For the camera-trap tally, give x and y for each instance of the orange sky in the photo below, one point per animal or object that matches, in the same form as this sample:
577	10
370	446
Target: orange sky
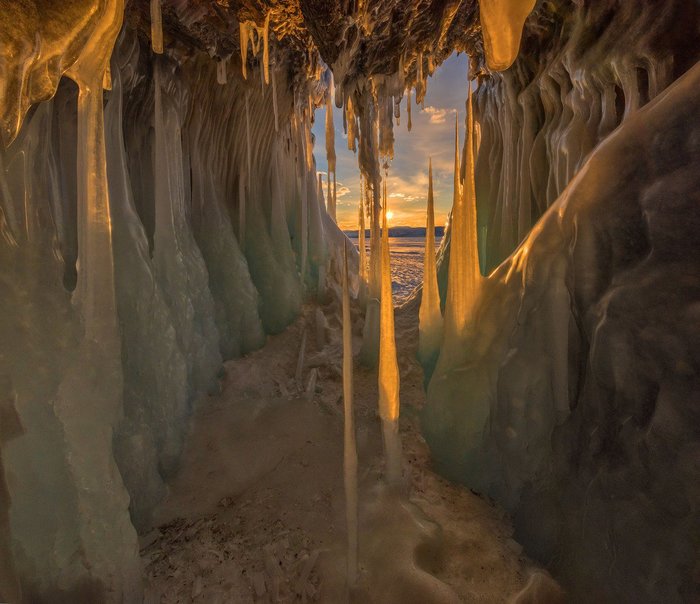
432	135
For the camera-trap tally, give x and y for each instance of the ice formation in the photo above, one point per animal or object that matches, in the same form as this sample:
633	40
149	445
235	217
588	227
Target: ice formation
139	251
388	374
349	439
430	316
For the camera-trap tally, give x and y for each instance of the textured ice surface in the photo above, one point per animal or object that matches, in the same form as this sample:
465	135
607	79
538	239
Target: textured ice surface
575	398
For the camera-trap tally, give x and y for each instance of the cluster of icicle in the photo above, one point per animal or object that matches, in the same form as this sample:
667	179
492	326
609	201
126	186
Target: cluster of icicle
192	243
540	122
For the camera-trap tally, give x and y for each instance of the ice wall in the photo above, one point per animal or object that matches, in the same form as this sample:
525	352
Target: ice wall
575	402
583	70
123	286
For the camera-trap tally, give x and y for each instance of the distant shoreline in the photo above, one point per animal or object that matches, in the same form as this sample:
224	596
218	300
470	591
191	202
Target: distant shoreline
401	231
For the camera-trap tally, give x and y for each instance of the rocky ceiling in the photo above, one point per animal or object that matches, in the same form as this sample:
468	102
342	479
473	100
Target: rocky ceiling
376	34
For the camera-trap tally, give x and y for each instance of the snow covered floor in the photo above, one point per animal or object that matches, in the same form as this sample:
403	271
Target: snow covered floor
256	513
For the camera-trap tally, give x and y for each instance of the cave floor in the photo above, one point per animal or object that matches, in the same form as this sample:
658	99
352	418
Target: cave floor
256	512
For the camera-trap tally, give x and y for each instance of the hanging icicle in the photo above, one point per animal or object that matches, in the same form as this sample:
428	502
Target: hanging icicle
388	375
349	439
156	27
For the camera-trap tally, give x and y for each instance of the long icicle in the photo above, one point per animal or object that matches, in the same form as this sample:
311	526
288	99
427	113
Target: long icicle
361	235
156	27
388	376
330	155
349	440
266	47
430	317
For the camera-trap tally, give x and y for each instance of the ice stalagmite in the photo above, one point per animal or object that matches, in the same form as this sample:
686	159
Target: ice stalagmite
388	377
502	27
430	317
349	444
156	27
463	275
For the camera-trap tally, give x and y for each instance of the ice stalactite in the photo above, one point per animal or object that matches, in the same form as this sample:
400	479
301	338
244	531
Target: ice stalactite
180	267
361	234
148	441
502	24
330	155
369	166
388	375
430	315
252	34
156	27
349	438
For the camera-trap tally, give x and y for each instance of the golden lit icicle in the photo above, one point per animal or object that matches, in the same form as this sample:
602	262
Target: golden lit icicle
330	155
473	277
244	32
502	24
156	27
361	235
349	439
408	109
266	48
430	317
388	376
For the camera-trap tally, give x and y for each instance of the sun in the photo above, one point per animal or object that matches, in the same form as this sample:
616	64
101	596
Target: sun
389	214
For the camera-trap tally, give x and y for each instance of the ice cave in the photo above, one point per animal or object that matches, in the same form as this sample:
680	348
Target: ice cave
213	388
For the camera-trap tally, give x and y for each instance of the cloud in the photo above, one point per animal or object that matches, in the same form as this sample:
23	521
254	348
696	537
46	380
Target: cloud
437	114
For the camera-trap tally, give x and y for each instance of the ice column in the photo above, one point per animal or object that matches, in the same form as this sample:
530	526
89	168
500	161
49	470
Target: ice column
156	27
349	444
430	317
388	376
502	24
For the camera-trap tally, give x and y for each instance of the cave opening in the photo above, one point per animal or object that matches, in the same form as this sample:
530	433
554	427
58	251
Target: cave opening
370	302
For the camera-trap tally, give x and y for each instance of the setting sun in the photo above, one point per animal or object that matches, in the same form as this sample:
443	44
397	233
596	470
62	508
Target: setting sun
389	214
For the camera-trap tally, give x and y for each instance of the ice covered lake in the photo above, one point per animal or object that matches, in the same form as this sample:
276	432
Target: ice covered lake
406	263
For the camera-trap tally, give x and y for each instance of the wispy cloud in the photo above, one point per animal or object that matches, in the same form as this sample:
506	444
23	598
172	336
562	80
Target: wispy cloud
438	115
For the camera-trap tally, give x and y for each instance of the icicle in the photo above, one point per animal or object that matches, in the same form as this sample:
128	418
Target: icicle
221	77
388	376
266	48
330	154
274	101
352	125
408	109
502	24
420	84
430	317
242	177
349	441
320	192
361	235
244	31
247	138
156	27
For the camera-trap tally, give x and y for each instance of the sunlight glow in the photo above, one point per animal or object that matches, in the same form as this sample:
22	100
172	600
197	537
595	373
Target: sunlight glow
389	214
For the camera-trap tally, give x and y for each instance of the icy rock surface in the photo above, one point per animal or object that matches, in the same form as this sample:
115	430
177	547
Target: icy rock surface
575	400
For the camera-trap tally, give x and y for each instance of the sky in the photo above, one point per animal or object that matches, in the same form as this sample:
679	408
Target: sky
432	134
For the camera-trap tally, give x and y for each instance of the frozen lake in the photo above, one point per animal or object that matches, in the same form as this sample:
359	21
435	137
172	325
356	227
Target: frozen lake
406	264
